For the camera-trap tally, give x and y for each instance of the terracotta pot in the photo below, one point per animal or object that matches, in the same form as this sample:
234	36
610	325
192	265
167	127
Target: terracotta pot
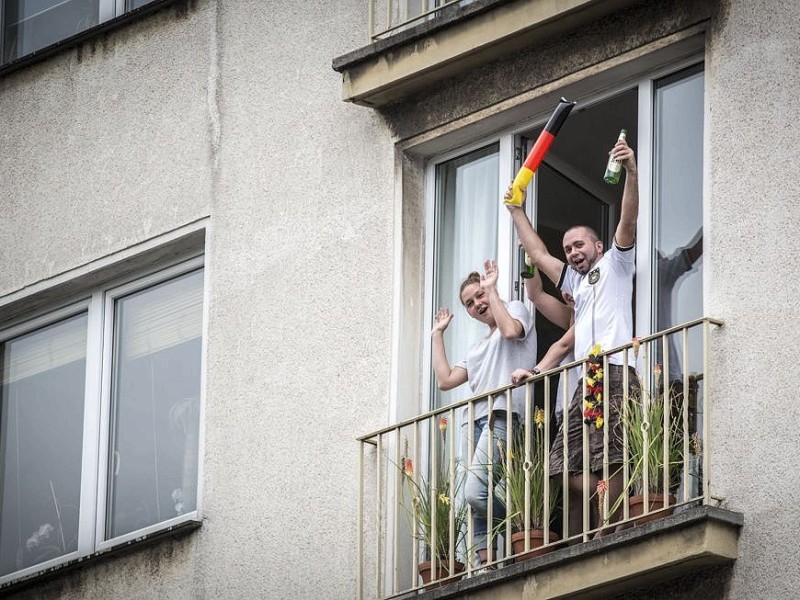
636	508
536	537
442	572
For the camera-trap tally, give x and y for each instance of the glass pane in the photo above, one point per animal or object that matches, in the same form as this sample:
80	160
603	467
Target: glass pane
41	437
132	4
29	25
466	235
155	405
678	214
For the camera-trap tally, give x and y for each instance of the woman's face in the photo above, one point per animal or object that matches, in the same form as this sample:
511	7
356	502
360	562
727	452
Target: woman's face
477	304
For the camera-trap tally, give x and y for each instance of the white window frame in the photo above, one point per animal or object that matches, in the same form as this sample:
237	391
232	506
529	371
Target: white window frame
507	139
106	10
99	307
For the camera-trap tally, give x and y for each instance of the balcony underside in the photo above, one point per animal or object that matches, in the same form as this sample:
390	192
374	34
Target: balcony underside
456	42
675	546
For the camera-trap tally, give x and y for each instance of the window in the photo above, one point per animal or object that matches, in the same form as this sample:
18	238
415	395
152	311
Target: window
663	114
30	25
466	236
140	345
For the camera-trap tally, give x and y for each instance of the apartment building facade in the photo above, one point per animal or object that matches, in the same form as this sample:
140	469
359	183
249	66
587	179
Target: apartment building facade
221	258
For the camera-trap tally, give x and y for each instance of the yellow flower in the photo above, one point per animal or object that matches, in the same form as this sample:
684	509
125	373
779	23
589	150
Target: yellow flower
538	417
590	381
444	499
595	350
599	422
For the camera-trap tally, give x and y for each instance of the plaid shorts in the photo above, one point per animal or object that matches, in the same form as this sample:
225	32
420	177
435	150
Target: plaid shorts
575	427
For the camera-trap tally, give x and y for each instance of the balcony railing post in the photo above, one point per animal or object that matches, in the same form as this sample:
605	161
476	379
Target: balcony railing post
585	441
706	418
470	456
378	516
685	406
666	404
361	449
371	20
626	380
603	510
546	460
395	512
646	396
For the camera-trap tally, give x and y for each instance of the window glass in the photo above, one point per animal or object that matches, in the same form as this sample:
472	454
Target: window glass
155	405
41	438
678	210
29	25
132	4
466	235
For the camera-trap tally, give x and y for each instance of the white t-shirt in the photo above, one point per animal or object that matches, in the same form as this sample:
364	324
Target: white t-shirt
603	297
491	361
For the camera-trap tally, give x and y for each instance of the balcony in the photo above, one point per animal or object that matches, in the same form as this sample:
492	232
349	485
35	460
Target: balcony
616	533
415	44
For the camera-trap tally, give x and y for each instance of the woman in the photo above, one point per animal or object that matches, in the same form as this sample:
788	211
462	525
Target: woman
509	345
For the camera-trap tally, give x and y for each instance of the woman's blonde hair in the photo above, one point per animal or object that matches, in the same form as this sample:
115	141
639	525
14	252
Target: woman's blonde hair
473	277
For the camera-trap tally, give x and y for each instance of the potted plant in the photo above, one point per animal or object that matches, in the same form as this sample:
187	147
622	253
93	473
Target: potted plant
522	488
645	431
435	507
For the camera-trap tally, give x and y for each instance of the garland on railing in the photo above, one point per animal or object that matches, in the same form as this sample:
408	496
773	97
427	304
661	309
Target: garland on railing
593	388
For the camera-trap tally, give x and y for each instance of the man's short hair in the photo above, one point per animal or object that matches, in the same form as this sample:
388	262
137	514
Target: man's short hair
590	230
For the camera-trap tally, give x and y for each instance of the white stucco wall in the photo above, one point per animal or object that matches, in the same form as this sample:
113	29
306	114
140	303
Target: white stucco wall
228	110
231	111
752	218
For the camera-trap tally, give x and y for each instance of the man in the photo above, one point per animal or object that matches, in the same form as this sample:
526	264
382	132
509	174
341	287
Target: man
601	285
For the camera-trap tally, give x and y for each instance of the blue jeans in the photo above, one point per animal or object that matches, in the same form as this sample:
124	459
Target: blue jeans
476	488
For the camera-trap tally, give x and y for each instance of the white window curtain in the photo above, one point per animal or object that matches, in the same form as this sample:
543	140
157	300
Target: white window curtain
467	210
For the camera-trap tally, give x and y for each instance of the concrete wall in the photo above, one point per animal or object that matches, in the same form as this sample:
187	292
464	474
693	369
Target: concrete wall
228	110
751	214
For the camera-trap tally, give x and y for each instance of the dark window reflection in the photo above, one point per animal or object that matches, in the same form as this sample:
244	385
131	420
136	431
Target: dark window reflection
41	439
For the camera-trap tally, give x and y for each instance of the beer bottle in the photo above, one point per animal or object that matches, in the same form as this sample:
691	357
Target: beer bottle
614	168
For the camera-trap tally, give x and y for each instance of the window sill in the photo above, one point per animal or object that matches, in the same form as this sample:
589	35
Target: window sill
456	42
691	540
85	35
175	532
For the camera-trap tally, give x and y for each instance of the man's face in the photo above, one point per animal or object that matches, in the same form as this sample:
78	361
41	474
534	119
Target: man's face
476	303
582	249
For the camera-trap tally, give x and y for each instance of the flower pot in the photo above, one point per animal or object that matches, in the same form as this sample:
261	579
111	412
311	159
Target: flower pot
636	508
536	537
442	572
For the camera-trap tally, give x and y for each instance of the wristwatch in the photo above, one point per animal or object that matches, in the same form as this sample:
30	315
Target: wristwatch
535	370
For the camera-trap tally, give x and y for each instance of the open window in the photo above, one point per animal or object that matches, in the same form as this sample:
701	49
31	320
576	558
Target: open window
663	115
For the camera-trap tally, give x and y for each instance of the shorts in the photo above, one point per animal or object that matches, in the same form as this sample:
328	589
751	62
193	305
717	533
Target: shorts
575	426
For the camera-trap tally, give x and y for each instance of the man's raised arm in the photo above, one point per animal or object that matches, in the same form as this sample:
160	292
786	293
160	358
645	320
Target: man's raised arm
625	235
533	244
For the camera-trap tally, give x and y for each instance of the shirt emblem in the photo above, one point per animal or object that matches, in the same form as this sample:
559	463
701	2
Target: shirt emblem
594	276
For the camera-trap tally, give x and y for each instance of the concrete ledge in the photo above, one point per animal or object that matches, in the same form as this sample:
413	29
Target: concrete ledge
457	41
693	539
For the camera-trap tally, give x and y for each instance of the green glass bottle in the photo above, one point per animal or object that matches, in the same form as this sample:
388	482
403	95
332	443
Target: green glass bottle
529	269
614	168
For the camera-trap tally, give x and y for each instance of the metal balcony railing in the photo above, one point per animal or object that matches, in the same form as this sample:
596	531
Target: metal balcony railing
413	514
387	17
